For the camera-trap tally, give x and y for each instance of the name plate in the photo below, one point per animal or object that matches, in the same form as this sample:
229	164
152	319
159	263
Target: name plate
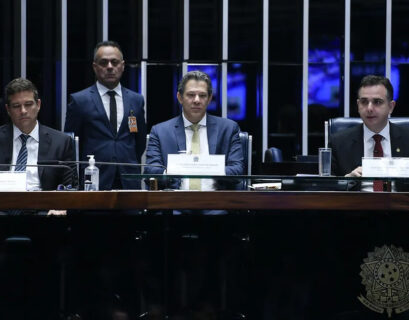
196	164
13	180
385	167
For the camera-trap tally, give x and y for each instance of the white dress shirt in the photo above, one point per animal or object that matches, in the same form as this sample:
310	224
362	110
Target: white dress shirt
103	92
32	144
206	184
369	145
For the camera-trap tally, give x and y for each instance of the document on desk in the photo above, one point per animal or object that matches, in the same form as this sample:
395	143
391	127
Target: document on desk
385	167
13	180
196	164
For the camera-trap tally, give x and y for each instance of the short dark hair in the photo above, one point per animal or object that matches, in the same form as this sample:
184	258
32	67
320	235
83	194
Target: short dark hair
198	76
372	80
19	85
107	43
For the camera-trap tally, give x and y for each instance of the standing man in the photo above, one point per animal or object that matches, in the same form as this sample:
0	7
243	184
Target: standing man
25	141
375	136
216	135
109	119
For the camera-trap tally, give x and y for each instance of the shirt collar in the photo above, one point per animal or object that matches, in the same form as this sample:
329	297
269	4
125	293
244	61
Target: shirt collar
187	123
33	134
368	134
103	90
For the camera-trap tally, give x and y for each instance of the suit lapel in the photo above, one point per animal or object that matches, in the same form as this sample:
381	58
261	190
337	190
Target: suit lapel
212	134
180	133
6	142
356	145
99	106
43	148
127	107
397	141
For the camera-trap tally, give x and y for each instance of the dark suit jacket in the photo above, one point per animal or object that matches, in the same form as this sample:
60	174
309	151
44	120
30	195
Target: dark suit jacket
348	147
86	117
169	137
53	145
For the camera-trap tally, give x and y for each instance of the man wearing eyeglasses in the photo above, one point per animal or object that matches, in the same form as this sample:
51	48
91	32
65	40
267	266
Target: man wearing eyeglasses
109	119
376	136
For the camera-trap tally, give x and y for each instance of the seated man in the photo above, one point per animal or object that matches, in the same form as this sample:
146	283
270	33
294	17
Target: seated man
376	137
195	131
25	141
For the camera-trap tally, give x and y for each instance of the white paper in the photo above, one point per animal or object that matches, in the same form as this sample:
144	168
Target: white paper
196	164
13	181
385	167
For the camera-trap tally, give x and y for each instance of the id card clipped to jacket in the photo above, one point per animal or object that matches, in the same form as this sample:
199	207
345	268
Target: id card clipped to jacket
133	126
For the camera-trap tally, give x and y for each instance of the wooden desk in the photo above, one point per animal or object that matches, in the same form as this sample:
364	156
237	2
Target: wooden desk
257	200
293	255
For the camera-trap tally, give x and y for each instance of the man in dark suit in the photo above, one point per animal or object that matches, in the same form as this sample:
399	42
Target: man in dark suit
375	105
109	119
217	135
42	142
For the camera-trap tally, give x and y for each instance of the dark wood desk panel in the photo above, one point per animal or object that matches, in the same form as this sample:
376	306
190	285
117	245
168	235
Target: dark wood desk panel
278	200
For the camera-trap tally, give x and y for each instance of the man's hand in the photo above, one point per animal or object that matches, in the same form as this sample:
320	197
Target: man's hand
355	173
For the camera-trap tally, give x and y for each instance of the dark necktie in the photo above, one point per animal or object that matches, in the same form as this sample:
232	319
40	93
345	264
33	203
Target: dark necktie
112	110
22	155
377	153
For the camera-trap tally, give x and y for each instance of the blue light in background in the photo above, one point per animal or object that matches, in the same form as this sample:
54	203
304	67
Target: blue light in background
324	74
236	89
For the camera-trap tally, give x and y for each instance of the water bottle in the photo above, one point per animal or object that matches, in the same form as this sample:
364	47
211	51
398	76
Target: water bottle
91	176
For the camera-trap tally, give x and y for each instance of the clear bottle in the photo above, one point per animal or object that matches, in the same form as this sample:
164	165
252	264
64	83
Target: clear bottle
91	176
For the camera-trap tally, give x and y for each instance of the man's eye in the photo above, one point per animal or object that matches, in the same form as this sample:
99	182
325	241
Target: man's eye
378	102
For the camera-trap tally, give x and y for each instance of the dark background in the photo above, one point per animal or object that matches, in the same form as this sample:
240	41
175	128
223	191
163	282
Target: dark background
245	18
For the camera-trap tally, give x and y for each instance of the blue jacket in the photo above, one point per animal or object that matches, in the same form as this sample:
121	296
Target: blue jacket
169	137
86	117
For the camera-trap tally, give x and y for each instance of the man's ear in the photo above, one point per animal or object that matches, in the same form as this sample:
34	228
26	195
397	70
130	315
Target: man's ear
179	96
392	105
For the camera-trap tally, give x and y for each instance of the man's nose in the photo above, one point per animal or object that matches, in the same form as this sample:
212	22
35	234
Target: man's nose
197	99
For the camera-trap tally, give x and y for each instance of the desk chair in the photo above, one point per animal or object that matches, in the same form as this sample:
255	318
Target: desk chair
273	155
247	147
339	124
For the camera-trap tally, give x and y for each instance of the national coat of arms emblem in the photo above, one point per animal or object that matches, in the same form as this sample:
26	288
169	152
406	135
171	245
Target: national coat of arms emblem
385	274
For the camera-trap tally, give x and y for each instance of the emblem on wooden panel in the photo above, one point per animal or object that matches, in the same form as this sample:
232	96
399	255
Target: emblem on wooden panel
385	275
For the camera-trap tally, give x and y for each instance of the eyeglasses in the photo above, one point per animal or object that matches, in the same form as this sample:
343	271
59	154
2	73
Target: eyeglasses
105	62
375	101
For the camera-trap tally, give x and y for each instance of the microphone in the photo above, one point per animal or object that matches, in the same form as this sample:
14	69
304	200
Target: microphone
44	165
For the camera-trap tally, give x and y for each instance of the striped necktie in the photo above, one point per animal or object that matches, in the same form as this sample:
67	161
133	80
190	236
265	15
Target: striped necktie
22	155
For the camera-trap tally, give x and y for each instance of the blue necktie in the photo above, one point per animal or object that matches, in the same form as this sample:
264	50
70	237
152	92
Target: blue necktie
21	165
22	155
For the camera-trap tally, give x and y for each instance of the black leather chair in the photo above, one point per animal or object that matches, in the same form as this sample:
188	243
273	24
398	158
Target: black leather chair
247	147
339	124
273	154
